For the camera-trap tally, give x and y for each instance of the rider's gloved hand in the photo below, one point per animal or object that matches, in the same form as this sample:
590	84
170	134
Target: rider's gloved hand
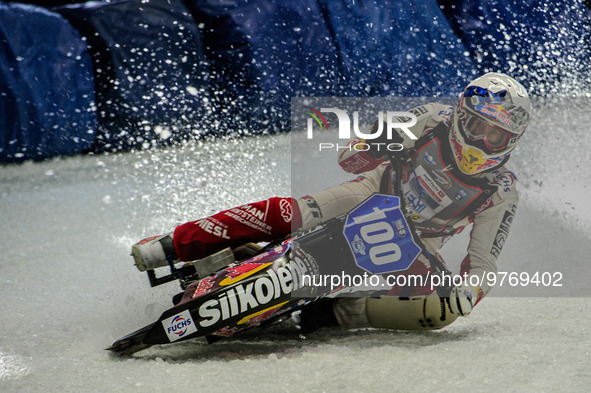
362	155
462	299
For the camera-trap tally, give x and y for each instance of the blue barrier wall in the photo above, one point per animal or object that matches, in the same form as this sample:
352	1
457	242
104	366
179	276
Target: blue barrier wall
152	77
172	70
546	45
262	54
391	47
46	86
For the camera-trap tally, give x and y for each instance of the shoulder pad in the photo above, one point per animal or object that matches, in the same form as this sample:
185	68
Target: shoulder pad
419	110
428	117
442	113
505	181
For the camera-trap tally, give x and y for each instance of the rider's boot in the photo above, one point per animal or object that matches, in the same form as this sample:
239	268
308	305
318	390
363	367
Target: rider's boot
154	252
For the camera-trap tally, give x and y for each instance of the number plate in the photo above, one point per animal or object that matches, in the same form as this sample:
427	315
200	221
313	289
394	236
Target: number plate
379	236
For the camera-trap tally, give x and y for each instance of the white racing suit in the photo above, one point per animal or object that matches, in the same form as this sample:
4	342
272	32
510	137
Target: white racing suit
444	201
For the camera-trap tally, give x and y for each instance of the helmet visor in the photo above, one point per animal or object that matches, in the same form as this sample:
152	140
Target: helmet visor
493	137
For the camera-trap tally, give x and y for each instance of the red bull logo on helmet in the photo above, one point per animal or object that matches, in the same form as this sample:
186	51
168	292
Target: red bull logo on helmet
497	112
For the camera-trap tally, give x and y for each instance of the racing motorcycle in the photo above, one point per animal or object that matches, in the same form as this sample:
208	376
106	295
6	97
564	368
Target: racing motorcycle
235	290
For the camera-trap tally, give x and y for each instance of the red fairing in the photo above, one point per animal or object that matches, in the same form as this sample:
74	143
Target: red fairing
259	221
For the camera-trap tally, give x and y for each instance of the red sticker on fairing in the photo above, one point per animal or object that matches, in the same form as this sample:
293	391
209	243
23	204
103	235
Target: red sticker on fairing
204	286
240	272
227	331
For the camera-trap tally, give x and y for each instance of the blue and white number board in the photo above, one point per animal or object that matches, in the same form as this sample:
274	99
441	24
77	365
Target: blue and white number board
379	236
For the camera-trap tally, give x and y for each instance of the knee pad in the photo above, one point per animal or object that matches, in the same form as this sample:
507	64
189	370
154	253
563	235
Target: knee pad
404	313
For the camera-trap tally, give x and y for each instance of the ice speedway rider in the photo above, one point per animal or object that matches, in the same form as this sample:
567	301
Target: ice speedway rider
456	177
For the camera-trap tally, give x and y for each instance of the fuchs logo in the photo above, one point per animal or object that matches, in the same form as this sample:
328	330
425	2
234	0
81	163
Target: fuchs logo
504	179
179	326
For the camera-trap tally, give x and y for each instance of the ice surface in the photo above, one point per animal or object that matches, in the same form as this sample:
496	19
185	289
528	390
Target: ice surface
68	287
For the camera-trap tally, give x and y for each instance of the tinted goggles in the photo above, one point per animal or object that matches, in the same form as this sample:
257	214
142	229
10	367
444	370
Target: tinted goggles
493	137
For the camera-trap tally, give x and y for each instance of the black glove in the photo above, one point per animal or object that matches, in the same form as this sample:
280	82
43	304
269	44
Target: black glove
317	315
461	299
